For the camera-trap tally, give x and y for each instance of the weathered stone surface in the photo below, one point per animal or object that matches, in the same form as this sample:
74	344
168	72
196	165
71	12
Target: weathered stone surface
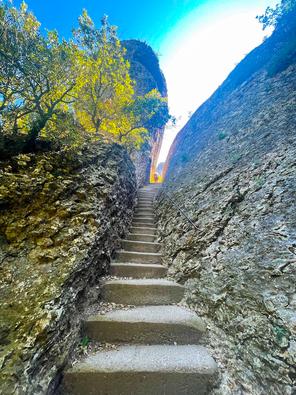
153	292
138	257
134	369
232	171
145	70
138	270
61	218
140	246
143	230
147	325
144	370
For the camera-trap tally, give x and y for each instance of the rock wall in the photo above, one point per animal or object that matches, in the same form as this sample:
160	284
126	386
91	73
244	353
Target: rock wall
145	70
142	162
60	220
232	171
144	67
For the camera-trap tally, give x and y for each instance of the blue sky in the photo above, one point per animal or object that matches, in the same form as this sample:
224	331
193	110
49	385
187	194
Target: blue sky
199	42
147	20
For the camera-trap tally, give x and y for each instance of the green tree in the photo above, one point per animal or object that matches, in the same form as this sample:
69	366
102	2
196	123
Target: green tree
104	85
283	18
69	91
35	75
107	106
146	114
273	16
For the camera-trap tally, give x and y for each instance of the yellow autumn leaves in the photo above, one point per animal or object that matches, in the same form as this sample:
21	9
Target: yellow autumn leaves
68	92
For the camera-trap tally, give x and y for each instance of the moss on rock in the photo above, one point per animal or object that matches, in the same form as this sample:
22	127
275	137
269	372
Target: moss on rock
61	216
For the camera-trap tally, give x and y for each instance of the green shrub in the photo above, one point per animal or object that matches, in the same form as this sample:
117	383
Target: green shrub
222	135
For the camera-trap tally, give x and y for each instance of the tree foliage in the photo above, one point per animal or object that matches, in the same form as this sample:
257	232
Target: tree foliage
35	75
283	18
273	16
104	86
70	91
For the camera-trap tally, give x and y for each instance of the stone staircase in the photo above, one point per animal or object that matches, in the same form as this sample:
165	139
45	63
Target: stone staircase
157	341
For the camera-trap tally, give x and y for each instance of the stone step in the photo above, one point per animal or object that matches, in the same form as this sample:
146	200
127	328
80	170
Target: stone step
140	237
146	325
142	292
145	214
144	211
146	198
143	230
137	270
145	207
138	257
145	202
149	214
144	218
139	246
139	224
143	370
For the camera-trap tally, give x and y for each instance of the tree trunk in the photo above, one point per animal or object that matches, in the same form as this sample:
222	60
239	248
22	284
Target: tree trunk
30	145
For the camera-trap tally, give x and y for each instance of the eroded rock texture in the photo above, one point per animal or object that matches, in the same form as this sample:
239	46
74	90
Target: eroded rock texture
232	171
61	217
145	70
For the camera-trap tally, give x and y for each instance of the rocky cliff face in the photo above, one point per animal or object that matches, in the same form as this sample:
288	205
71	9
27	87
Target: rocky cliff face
145	70
61	217
144	67
232	171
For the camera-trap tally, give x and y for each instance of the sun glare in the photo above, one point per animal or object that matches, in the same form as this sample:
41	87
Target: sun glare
202	50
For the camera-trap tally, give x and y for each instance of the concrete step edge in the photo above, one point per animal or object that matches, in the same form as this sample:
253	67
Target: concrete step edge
144	282
139	265
144	218
137	253
182	360
141	234
137	270
143	227
148	243
153	314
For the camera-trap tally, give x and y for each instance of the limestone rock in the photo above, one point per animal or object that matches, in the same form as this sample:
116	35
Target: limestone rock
145	70
232	172
61	216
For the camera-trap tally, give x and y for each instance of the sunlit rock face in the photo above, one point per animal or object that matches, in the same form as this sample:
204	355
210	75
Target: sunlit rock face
232	171
145	70
61	218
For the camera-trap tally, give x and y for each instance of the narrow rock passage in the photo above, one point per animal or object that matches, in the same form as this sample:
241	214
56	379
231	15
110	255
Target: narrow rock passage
158	351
